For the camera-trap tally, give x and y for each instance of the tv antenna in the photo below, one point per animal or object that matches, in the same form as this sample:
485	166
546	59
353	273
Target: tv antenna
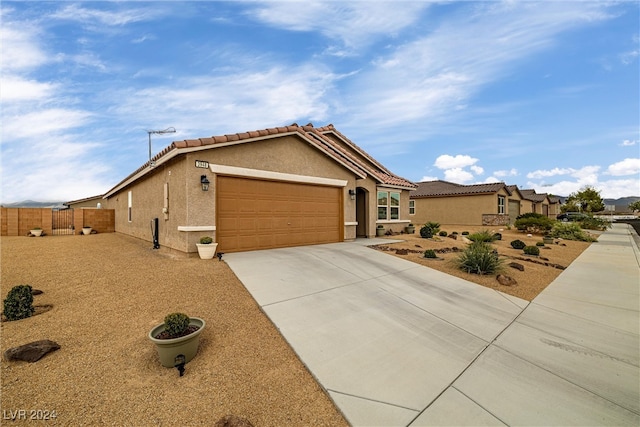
158	132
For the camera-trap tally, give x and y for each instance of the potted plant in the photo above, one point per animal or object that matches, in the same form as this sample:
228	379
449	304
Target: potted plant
36	231
179	335
206	247
411	229
86	230
547	239
380	230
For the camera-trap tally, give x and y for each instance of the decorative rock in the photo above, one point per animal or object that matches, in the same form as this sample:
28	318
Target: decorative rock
453	236
31	352
516	266
36	292
233	421
402	251
506	280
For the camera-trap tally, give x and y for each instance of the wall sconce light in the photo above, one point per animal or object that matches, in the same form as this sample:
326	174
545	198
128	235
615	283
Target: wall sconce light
352	194
205	183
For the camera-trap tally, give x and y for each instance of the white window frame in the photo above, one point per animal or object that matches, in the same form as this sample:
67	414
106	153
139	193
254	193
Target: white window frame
412	207
384	206
501	206
391	211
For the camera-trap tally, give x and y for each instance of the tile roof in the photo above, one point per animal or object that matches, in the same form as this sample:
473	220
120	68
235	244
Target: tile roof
445	188
531	194
363	165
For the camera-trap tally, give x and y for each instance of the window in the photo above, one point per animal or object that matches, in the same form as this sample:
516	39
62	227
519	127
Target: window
129	198
395	205
388	205
501	204
412	207
383	201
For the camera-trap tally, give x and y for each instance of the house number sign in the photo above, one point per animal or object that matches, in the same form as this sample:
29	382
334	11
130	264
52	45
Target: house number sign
202	164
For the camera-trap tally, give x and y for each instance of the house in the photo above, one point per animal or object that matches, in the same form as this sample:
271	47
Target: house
541	203
88	202
270	188
457	204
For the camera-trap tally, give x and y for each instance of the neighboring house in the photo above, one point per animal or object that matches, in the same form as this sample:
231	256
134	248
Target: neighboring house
88	202
277	187
541	203
458	204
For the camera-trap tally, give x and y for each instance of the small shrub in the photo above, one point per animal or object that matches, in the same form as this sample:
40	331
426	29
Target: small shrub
539	243
19	303
570	231
426	232
443	233
455	232
518	244
176	323
534	223
465	233
531	250
479	258
430	253
497	236
206	240
434	226
481	236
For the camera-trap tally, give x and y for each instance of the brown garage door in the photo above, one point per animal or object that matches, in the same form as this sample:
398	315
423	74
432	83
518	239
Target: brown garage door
257	214
514	210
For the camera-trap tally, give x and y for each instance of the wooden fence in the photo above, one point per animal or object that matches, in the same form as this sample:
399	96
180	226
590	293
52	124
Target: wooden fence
19	221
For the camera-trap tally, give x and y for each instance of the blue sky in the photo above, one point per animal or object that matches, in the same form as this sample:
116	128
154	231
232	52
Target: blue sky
543	95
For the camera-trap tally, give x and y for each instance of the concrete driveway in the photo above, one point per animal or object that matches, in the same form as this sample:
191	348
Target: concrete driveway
397	344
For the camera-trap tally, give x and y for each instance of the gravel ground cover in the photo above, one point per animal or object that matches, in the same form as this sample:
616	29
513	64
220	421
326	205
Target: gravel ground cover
530	282
107	291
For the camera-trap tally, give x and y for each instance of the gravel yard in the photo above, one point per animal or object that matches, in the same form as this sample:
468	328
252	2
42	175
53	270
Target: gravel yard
107	292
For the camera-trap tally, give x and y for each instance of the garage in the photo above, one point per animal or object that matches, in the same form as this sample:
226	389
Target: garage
514	210
261	214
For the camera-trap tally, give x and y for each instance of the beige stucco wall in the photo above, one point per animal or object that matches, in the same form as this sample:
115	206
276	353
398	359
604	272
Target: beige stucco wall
462	210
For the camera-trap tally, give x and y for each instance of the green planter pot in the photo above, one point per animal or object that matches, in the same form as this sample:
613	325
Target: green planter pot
411	229
169	349
380	232
547	240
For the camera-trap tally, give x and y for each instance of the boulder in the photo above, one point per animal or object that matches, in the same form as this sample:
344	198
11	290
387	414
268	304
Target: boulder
506	280
36	292
516	265
31	352
233	421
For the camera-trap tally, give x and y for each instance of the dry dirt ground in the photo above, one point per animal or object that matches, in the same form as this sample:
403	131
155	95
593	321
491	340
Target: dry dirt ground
530	282
107	292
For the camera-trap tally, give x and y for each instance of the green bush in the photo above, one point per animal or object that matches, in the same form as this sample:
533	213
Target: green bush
531	250
481	236
426	232
539	243
570	231
479	258
534	223
430	253
206	240
434	226
465	233
19	303
593	223
455	232
518	244
176	323
497	236
443	233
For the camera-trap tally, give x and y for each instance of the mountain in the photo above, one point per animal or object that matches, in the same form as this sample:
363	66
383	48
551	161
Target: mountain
622	201
33	204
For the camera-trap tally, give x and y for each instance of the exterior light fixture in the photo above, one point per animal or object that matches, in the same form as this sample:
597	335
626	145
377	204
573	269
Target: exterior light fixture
205	183
352	194
157	132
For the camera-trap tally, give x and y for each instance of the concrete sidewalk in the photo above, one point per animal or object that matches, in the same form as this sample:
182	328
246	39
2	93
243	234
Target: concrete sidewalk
395	343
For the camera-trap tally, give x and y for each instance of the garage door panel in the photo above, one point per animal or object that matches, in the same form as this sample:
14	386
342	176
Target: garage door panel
254	214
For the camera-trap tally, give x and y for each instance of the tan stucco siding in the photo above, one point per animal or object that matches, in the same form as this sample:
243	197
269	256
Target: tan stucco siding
463	210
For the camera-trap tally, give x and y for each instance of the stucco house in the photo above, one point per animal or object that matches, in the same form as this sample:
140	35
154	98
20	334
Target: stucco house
541	203
270	188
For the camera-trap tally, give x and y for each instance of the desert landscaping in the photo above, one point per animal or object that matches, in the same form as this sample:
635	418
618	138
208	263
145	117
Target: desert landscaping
538	271
102	293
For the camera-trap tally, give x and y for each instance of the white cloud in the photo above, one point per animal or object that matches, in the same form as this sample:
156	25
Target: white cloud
547	173
102	18
354	23
20	51
505	173
458	175
429	178
15	88
629	143
625	167
44	123
477	170
446	161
